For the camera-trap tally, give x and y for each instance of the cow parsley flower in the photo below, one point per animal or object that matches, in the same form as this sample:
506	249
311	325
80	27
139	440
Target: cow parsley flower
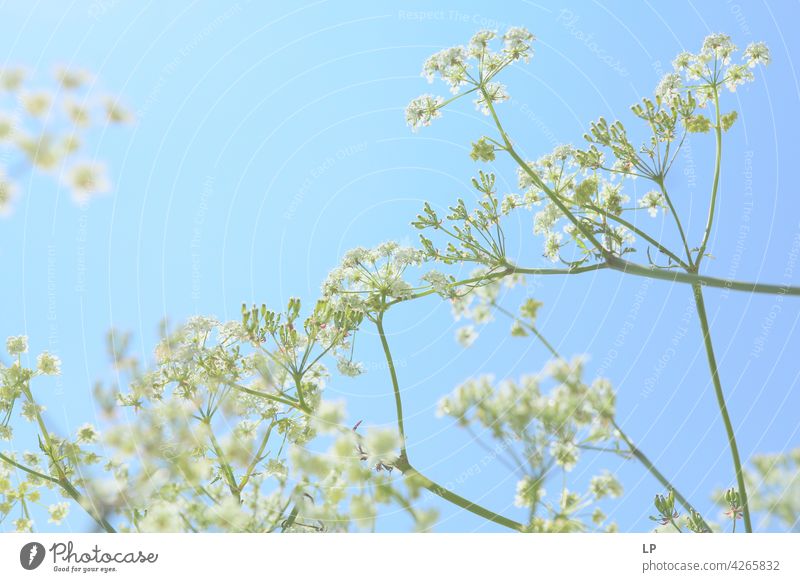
71	78
422	110
58	512
348	367
8	191
12	79
652	201
48	364
517	43
718	46
495	93
17	344
87	434
552	246
37	103
757	53
669	88
87	179
466	335
450	64
565	454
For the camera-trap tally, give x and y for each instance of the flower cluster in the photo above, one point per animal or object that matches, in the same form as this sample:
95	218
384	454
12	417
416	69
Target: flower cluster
45	127
550	428
367	278
468	69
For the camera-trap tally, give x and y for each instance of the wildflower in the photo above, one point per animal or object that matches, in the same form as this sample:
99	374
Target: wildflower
605	485
382	445
517	43
466	335
115	112
494	93
718	46
38	103
11	79
450	64
737	75
87	434
669	88
58	512
78	114
552	246
72	79
652	200
348	367
16	345
565	454
48	364
23	524
8	192
757	53
7	127
422	110
86	179
479	43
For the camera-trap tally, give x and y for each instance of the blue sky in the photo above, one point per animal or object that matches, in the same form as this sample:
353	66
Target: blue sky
270	139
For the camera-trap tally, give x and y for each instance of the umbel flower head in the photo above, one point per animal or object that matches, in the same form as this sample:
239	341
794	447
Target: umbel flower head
470	69
367	277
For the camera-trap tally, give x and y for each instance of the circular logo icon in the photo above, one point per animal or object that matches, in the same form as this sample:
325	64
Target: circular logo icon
31	555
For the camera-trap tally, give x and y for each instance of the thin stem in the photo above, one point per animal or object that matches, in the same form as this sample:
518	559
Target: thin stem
538	181
405	467
642	458
28	470
723	408
663	188
715	186
398	402
695	279
529	327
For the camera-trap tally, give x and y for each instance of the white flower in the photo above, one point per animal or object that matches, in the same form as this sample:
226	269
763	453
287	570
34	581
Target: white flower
565	454
86	179
348	367
495	93
517	42
652	200
382	445
552	246
11	79
87	434
72	78
757	53
466	335
37	103
422	110
16	345
58	512
450	64
669	88
8	191
48	364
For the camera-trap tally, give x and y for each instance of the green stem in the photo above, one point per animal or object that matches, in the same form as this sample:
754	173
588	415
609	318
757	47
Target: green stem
715	186
538	181
28	470
723	408
644	460
529	327
405	467
695	279
663	188
398	402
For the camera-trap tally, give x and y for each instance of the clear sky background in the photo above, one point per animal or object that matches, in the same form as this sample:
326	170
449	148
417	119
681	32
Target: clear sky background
270	138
